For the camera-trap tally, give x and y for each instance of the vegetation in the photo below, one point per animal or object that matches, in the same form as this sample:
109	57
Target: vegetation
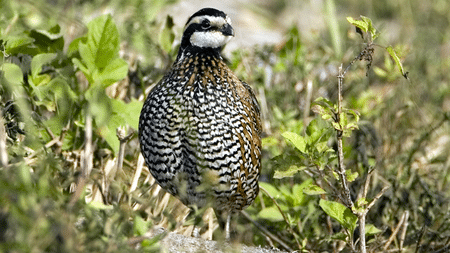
356	129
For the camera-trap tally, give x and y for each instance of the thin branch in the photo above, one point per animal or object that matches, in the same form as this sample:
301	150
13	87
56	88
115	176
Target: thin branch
365	54
284	216
341	166
404	228
86	161
267	232
137	173
370	205
362	232
123	139
397	229
3	152
419	241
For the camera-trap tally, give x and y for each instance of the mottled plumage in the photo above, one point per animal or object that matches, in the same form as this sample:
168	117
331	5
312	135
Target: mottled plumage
200	129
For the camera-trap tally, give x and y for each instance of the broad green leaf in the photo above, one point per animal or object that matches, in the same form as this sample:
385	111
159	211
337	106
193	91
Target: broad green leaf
15	42
365	24
82	67
113	72
140	226
129	112
108	131
290	172
271	213
297	140
313	189
38	61
103	40
48	41
12	73
372	230
298	192
340	213
88	58
270	189
397	61
358	23
370	28
74	45
318	130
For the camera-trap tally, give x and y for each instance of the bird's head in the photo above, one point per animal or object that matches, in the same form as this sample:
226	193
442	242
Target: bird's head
207	28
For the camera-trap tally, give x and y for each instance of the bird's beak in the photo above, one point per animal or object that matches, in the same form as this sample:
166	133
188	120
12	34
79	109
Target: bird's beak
227	30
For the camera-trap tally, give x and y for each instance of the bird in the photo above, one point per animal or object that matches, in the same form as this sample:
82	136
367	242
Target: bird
200	126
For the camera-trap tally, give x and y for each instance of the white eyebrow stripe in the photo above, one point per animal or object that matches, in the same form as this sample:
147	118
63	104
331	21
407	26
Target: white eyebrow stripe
215	21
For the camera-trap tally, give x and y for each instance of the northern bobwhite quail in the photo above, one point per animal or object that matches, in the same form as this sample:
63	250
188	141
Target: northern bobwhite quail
200	128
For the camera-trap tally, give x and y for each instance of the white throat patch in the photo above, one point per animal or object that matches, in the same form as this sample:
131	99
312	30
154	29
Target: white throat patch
213	39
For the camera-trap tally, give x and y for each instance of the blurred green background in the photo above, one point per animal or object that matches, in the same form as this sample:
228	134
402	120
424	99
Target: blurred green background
289	52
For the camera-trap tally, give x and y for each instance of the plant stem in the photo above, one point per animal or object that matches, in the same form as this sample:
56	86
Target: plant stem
284	217
339	135
3	152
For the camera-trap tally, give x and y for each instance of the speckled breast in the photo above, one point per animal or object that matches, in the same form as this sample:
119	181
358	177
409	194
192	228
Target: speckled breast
200	135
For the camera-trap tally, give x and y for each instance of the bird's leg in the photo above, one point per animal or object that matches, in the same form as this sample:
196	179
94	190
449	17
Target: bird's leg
227	227
195	216
196	232
224	223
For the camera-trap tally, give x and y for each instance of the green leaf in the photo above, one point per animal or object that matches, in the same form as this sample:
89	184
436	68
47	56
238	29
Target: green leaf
269	141
167	36
270	189
103	40
397	61
351	176
290	172
48	41
83	68
12	73
113	72
370	28
339	236
313	189
340	213
74	45
108	131
88	58
365	24
358	23
140	226
129	112
100	206
14	43
372	230
298	191
38	61
361	202
297	140
271	213
318	130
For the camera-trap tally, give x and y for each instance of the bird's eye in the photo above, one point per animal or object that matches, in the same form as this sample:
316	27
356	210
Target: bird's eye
206	24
